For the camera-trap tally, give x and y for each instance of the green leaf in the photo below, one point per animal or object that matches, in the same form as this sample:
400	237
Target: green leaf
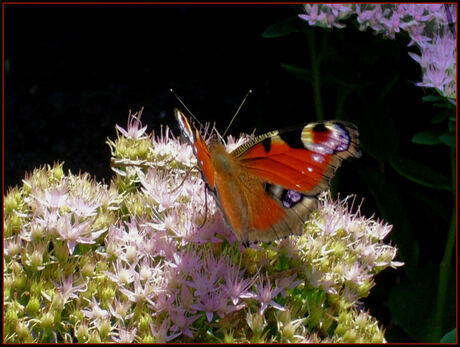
450	337
297	72
419	173
427	137
426	203
447	105
412	304
285	27
432	98
448	139
440	117
389	202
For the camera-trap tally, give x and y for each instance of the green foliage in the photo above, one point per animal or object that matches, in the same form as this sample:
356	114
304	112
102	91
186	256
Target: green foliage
450	337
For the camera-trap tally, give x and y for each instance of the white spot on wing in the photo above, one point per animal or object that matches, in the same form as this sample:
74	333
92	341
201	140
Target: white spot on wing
317	158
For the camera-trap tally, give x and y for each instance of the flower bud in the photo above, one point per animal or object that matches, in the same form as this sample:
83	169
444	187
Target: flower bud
33	306
36	259
228	337
47	321
23	331
104	328
82	333
94	337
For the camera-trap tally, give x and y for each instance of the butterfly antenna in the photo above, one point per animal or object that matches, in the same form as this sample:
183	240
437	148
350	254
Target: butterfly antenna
237	111
190	112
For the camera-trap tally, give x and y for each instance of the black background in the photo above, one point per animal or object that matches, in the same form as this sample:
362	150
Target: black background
74	71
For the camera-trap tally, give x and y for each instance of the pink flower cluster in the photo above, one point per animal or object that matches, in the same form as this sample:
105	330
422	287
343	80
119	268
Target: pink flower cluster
430	26
150	259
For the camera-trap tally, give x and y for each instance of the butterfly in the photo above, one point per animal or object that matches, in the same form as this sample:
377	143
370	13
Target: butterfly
268	186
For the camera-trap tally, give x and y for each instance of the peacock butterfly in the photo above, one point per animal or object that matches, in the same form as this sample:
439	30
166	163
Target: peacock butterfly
269	185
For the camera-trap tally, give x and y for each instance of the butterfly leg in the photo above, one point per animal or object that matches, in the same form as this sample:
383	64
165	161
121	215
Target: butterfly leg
183	180
205	206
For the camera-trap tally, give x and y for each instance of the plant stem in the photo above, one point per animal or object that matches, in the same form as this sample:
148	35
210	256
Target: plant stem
444	266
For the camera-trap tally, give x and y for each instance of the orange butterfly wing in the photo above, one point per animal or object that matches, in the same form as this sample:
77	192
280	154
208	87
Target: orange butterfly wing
295	165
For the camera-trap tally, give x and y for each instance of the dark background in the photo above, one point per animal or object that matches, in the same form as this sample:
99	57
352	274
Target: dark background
74	71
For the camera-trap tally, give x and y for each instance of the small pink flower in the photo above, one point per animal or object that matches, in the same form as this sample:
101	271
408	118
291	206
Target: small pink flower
121	274
236	286
96	313
125	335
68	290
161	334
265	295
119	309
141	292
52	198
73	233
133	128
312	15
212	303
181	321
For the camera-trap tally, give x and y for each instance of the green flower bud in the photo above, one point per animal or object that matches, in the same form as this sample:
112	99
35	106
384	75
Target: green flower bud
23	331
228	337
14	224
36	259
144	323
104	328
11	317
36	233
94	337
20	282
12	201
82	333
61	252
47	321
148	339
57	172
33	306
107	294
350	335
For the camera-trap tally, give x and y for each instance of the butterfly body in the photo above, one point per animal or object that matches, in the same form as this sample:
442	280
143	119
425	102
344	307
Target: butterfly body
268	186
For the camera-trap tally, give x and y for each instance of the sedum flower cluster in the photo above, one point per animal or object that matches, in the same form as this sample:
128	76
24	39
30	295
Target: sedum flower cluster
148	258
430	26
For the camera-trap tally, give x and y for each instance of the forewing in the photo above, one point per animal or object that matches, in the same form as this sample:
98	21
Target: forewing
302	159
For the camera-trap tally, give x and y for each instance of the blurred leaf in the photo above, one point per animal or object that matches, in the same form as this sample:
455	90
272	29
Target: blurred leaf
431	206
448	139
450	337
447	105
378	135
298	72
285	27
427	137
388	86
440	117
432	98
392	209
419	173
412	304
